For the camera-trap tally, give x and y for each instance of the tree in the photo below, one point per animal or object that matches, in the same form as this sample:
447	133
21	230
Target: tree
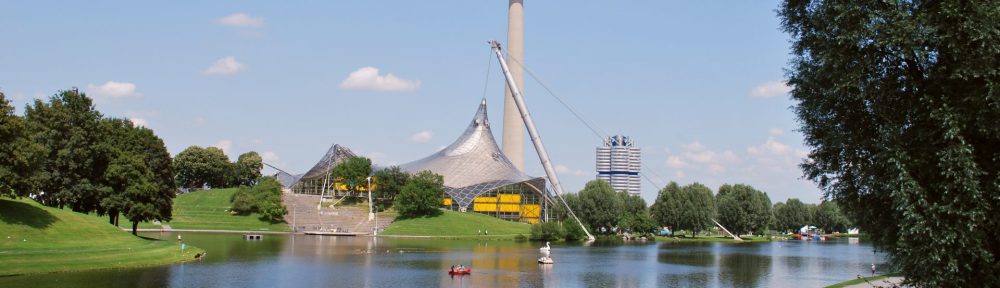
689	208
353	171
829	218
743	209
421	196
791	215
248	167
899	105
264	197
389	182
138	177
70	168
599	206
19	157
197	167
634	216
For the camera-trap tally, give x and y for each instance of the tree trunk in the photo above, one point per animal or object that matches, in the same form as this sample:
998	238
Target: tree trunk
117	216
135	226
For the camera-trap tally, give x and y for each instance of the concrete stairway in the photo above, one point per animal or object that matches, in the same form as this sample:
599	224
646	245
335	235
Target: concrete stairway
304	216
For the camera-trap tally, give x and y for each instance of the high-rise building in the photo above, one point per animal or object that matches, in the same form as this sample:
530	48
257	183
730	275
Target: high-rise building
618	164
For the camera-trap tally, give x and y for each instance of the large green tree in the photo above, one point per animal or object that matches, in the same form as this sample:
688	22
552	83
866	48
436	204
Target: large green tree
71	167
248	167
899	102
791	216
421	196
634	216
829	217
139	174
197	167
599	206
353	172
743	209
389	182
19	157
690	208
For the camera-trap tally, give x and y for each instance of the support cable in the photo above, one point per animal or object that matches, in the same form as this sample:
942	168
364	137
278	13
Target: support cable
600	134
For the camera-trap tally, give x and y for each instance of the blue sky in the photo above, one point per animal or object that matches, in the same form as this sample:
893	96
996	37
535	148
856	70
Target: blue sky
698	85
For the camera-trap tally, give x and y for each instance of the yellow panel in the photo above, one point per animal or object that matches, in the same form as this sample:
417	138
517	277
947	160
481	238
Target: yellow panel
447	201
484	207
510	198
531	210
510	208
485	200
529	220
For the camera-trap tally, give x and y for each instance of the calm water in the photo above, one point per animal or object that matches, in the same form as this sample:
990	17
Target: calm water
312	261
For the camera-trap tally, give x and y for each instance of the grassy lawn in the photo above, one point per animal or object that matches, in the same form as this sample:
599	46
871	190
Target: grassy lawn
209	209
457	225
711	239
39	239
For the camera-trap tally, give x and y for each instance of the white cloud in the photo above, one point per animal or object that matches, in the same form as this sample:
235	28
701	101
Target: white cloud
565	170
225	66
679	174
113	89
139	122
241	20
422	137
224	145
771	147
775	132
269	156
770	89
367	78
561	169
699	157
676	162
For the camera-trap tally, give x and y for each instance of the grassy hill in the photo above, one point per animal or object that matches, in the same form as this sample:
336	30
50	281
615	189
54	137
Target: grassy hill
456	224
39	239
209	209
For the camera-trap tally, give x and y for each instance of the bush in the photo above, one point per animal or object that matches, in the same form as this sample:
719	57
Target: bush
573	231
264	198
421	196
547	231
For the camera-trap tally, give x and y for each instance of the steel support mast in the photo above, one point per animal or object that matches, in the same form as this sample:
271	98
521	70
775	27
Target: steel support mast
533	133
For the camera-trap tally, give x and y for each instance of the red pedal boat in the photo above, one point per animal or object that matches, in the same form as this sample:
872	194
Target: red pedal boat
460	271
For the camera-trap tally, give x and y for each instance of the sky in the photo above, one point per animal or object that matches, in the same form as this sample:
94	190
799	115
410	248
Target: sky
698	84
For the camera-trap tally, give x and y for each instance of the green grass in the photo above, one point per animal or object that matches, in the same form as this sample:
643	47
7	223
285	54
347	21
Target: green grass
209	210
863	280
451	224
711	239
39	239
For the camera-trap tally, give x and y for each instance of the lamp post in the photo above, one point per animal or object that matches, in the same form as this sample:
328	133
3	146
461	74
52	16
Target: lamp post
371	212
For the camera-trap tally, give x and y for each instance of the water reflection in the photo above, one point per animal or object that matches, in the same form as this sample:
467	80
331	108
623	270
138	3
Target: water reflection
311	261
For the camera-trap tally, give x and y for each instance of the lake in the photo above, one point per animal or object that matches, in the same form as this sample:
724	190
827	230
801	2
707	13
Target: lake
320	261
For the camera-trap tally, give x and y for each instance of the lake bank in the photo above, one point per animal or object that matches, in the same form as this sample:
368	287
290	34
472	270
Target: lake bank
39	239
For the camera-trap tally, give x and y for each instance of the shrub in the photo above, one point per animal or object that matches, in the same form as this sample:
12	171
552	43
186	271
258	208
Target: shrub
421	196
264	198
573	231
547	231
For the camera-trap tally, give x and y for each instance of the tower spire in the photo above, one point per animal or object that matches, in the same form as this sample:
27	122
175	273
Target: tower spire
513	126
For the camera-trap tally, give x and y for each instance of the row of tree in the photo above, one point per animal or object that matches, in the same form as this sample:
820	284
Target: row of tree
740	208
793	214
198	167
606	211
64	153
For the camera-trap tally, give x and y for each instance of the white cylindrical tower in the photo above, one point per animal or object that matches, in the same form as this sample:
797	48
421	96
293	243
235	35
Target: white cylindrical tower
513	126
